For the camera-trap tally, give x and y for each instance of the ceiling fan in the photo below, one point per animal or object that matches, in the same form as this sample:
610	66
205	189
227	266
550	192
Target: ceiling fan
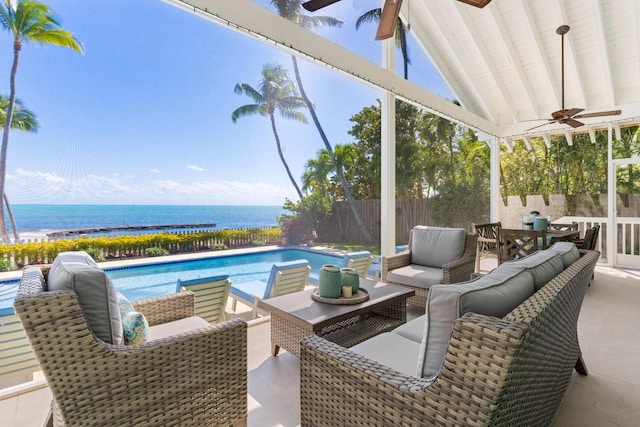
390	11
569	115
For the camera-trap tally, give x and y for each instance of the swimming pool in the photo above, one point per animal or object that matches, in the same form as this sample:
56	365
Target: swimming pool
155	279
138	282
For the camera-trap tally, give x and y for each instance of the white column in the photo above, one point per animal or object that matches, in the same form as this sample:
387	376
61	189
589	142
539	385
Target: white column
388	158
494	179
611	201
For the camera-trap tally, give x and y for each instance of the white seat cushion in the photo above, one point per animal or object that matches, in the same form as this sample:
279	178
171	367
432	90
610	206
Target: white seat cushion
176	327
418	276
413	330
392	350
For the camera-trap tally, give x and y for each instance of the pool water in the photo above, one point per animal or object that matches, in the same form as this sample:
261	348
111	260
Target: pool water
151	280
138	282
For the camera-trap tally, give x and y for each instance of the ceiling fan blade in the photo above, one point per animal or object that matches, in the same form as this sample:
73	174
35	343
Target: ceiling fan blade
549	121
388	19
313	5
573	123
476	3
599	114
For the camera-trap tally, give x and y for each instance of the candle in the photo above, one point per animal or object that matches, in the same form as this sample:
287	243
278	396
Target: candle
347	291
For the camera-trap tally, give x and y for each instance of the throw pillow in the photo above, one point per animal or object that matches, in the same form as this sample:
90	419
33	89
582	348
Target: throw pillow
135	328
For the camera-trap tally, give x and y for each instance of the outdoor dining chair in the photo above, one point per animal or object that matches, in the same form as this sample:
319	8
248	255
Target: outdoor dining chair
285	278
518	243
487	240
211	296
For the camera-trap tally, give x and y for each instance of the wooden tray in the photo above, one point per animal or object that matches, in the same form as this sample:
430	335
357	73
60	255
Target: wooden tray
361	296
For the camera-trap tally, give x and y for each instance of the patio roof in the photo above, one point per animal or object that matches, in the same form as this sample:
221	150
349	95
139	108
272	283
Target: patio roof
502	62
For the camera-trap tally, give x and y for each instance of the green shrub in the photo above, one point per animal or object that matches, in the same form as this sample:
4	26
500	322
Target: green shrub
6	266
155	252
96	254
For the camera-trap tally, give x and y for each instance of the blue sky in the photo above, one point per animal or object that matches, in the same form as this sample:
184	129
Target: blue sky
144	116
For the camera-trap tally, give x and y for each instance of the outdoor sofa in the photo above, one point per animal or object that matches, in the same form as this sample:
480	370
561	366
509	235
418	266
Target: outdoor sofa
109	365
496	351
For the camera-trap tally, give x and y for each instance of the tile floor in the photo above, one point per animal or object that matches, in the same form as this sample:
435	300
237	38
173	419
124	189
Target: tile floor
609	331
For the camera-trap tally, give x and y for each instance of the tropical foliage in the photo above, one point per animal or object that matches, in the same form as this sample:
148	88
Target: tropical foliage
276	92
27	21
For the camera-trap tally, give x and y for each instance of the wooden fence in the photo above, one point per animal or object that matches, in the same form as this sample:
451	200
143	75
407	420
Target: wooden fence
342	226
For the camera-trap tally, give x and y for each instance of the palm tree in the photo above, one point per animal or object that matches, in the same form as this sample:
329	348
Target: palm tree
276	92
24	120
400	34
29	21
292	10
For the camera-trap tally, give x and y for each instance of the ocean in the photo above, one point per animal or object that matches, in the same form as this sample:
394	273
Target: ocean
45	218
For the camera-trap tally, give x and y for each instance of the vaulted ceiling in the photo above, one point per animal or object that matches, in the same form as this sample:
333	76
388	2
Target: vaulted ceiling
502	62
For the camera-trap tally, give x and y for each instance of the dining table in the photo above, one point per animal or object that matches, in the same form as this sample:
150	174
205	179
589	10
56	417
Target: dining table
562	235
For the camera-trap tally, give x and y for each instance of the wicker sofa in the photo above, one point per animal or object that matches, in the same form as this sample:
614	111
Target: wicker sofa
500	371
190	373
434	255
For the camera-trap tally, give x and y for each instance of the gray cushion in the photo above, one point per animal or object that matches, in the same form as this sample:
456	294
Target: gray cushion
436	246
96	294
417	276
392	350
412	330
568	251
543	266
495	294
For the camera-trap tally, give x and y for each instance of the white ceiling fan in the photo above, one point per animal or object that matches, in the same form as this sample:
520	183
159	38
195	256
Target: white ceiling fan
390	11
569	115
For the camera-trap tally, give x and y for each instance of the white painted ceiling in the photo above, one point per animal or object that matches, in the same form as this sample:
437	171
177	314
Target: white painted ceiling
502	62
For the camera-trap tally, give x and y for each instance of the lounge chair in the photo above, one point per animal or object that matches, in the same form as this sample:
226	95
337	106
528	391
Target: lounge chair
285	278
359	261
211	296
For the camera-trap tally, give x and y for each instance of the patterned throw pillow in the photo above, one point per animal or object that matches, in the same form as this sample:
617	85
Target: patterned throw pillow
135	328
134	325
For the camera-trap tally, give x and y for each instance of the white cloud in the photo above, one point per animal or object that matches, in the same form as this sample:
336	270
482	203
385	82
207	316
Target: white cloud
195	168
25	186
154	170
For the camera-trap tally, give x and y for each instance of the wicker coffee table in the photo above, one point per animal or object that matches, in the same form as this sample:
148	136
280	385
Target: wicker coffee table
295	316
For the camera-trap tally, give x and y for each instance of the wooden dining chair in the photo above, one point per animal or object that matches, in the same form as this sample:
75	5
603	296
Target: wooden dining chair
516	243
487	240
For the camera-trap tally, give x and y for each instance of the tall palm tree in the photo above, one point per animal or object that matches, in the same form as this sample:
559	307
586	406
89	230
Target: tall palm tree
28	21
26	121
400	35
292	10
276	92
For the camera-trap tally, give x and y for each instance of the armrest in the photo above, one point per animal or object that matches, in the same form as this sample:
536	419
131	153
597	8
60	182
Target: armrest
394	261
458	271
166	308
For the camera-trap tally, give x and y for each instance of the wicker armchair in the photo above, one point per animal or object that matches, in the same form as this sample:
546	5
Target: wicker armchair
459	270
195	378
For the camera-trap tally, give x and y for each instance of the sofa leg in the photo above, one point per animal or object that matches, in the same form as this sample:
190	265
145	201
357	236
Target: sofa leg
581	368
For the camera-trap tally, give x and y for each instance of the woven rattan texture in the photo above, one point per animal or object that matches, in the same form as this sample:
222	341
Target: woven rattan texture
347	333
197	378
497	372
454	272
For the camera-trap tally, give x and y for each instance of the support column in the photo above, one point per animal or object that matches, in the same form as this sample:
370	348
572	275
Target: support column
611	202
494	179
388	158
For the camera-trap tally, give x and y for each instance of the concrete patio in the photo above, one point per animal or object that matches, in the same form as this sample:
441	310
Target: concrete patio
608	396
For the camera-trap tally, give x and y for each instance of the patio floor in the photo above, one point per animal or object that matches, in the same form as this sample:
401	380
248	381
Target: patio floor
609	331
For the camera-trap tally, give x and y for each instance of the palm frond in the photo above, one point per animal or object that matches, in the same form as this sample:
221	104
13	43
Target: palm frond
246	110
368	17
